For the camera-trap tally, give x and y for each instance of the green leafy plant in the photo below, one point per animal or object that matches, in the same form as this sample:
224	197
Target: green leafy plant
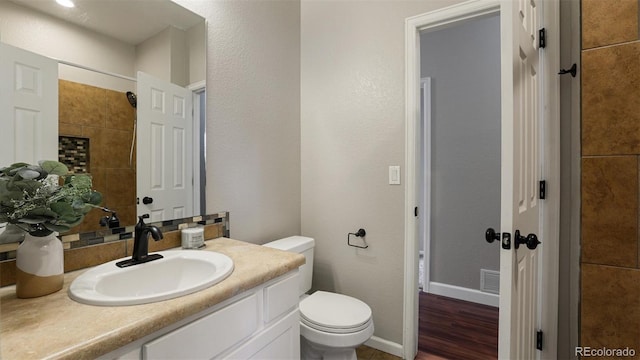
44	198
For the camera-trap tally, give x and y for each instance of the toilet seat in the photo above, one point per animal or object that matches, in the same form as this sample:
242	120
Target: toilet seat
334	313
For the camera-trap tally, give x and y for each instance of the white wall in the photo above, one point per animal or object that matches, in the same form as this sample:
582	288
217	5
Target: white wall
173	54
153	56
179	57
253	115
197	37
352	126
48	36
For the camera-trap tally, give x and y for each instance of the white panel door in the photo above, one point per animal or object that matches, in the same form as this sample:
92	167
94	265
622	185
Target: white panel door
28	106
164	156
521	164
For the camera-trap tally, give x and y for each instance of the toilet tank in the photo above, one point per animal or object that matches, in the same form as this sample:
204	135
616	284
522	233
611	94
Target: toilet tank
301	245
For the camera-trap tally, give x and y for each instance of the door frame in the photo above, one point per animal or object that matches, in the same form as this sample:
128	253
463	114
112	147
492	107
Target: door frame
550	170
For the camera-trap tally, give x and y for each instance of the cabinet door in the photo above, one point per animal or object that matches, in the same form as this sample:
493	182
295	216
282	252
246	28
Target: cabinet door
207	337
280	341
281	297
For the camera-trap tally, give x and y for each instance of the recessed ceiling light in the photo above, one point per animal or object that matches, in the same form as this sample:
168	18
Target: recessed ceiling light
66	3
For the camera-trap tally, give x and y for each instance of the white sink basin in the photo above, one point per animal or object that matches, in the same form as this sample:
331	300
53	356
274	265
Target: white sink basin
178	273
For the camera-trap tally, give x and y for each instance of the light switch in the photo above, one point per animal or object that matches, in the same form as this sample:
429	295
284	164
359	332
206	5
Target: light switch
394	175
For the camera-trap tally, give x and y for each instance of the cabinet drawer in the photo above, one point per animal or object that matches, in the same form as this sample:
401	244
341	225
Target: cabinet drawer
281	297
208	336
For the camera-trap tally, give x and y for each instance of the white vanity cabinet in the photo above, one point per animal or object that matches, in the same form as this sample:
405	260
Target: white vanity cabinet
261	323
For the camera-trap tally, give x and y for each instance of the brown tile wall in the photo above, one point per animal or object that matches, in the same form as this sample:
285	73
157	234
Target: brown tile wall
610	268
106	118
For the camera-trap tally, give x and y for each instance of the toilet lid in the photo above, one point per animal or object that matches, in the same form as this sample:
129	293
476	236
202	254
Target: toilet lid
332	312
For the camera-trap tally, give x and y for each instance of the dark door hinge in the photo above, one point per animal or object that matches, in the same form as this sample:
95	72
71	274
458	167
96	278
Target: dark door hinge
543	190
539	340
542	38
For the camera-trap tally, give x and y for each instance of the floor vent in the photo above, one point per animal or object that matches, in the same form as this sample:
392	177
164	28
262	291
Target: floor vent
490	281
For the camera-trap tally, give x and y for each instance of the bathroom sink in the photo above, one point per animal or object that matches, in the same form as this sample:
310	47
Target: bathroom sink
178	273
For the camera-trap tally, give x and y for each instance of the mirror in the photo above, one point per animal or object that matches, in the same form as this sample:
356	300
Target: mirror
117	38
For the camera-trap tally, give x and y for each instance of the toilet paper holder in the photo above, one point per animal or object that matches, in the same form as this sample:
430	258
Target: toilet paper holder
360	233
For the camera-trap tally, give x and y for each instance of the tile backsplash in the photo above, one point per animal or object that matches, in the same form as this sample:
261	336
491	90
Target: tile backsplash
97	247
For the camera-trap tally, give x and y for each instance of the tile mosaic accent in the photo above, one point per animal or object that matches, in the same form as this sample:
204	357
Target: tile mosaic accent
80	258
74	152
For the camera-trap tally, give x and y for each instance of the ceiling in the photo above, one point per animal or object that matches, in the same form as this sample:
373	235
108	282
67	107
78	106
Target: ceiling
130	21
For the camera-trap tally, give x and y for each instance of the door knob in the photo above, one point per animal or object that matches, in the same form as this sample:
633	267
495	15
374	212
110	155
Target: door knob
491	235
530	240
147	200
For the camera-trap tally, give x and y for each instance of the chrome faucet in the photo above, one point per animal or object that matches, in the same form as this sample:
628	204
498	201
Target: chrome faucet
141	243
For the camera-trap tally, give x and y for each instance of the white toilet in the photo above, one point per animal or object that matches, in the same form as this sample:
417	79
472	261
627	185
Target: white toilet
331	325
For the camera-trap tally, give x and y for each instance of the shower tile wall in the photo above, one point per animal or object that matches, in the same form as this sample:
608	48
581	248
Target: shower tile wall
610	270
106	118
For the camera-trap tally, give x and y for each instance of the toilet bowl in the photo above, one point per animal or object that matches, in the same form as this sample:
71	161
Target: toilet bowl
331	325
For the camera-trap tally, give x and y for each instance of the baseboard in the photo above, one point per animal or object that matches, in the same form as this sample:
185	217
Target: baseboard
385	345
461	293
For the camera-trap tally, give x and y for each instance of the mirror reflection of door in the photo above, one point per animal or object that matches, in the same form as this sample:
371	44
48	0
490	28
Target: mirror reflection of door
165	161
29	127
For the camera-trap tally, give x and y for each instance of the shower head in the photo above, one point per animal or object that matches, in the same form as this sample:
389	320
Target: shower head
133	100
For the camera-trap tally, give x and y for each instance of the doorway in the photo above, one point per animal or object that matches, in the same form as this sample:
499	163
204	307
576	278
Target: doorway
529	155
460	160
459	183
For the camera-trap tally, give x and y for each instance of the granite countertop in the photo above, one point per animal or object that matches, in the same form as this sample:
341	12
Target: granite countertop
56	327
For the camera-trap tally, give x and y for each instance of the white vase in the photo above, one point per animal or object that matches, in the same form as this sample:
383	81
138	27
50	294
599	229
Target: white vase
39	266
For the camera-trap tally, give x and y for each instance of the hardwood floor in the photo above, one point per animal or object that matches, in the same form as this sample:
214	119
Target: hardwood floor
450	329
456	330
